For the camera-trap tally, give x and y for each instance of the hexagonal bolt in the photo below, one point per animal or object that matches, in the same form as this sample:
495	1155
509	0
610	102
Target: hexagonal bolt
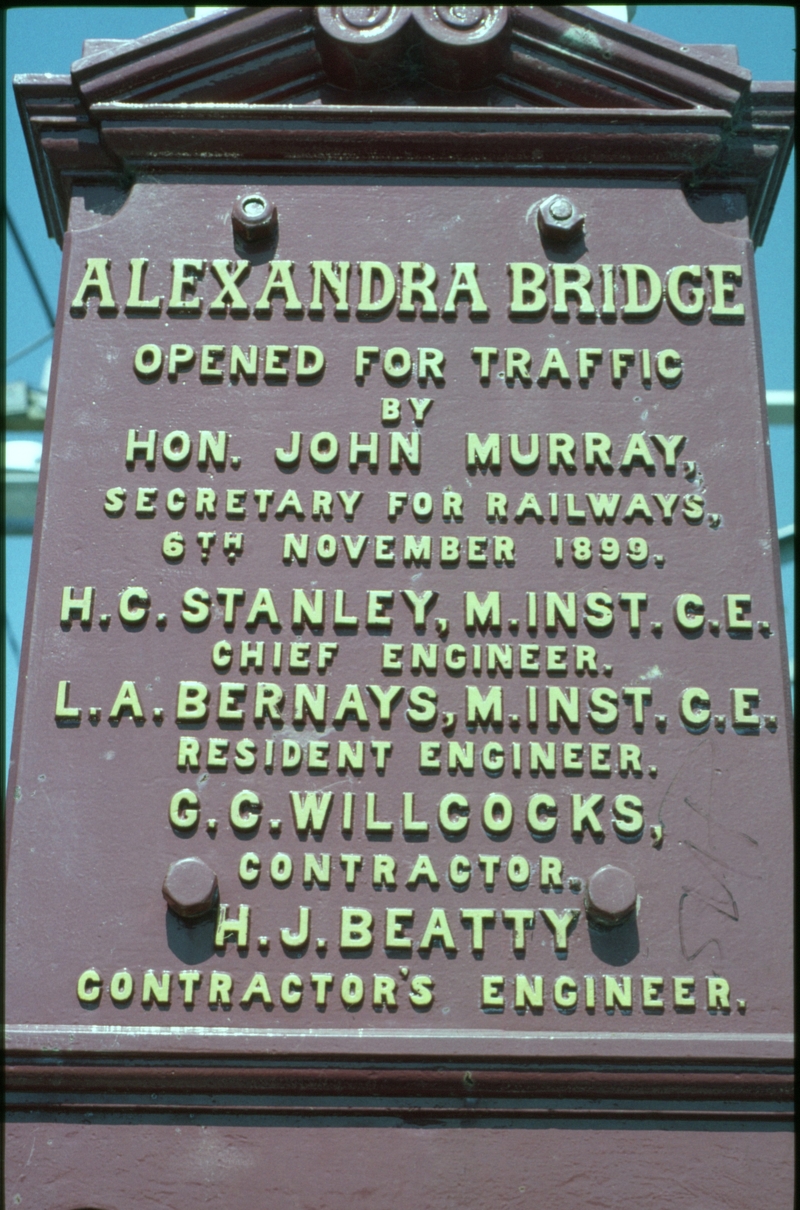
190	887
610	895
561	209
559	220
254	218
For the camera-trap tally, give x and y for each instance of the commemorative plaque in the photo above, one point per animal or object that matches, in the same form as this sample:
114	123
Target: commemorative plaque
403	714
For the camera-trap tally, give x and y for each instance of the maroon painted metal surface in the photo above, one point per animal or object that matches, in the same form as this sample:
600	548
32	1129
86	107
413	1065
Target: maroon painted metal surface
700	866
186	1165
408	562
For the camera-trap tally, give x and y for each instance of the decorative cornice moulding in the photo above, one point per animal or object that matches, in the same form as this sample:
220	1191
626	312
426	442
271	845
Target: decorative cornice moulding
531	90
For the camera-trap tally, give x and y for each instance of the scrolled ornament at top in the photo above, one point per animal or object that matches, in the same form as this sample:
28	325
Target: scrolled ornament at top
462	24
362	24
459	47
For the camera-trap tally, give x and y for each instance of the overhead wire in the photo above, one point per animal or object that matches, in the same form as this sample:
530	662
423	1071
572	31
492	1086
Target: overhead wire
34	276
29	348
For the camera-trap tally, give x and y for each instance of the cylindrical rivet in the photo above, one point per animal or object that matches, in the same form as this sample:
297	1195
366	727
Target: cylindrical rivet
610	895
190	887
254	217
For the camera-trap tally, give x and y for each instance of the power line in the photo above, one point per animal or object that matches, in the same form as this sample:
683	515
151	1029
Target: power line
12	639
31	271
29	348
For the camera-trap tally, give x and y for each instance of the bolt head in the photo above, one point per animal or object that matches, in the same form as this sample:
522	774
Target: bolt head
561	208
559	220
254	218
610	895
190	887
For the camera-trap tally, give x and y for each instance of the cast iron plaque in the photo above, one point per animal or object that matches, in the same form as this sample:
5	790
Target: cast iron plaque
406	565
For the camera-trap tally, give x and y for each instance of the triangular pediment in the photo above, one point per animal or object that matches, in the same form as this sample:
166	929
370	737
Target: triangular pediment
523	89
519	55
